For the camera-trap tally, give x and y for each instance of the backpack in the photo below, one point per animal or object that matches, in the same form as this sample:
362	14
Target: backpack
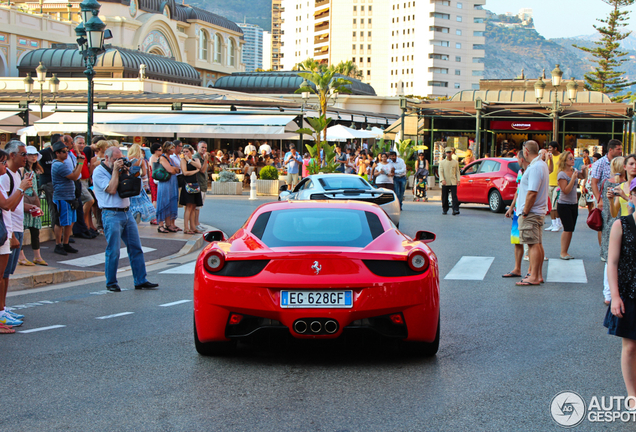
129	184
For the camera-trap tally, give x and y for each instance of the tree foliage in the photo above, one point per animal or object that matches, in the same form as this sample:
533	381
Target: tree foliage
607	55
318	128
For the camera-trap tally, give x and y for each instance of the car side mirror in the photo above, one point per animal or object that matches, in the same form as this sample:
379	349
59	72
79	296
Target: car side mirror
214	236
425	236
283	188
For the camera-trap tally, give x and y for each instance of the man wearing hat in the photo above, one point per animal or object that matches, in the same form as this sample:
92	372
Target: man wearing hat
449	179
63	179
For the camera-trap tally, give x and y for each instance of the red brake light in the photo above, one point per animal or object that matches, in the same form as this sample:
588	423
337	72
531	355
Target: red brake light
235	319
397	318
418	261
214	260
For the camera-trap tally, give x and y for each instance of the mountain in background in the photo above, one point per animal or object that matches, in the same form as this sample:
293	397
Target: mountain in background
257	12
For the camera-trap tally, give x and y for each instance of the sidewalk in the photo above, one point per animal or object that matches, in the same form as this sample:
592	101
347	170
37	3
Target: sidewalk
89	261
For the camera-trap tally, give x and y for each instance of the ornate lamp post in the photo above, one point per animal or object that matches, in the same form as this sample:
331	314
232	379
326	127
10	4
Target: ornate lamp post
90	40
556	108
54	86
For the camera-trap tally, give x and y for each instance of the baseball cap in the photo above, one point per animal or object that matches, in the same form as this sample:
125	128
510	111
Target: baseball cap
58	146
448	150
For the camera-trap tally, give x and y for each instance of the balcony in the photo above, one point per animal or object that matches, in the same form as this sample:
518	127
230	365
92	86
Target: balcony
322	26
323	38
321	3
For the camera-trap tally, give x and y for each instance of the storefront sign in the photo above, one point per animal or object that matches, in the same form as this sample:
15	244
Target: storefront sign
585	143
521	125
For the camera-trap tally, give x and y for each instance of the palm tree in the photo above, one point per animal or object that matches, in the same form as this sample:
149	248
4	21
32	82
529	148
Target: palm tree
349	69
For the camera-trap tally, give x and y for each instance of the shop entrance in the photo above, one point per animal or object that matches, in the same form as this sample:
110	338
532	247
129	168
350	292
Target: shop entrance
510	135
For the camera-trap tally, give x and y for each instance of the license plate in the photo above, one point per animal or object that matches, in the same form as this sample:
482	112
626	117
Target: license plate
316	299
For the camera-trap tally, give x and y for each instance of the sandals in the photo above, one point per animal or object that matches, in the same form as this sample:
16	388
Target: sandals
40	262
5	329
25	262
163	230
189	232
511	275
173	230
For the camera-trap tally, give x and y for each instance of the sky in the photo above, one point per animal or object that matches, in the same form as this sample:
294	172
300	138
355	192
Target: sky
549	15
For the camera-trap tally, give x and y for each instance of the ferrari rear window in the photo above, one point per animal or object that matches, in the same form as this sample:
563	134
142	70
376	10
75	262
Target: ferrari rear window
317	227
343	182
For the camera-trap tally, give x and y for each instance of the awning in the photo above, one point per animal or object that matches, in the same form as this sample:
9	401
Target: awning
342	133
167	124
10	121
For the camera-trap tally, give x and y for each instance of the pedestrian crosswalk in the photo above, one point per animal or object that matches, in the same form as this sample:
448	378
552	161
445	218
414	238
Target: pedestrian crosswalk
182	269
470	268
99	258
572	271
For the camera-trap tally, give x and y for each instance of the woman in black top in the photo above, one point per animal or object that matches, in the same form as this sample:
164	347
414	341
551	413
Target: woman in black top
621	273
190	192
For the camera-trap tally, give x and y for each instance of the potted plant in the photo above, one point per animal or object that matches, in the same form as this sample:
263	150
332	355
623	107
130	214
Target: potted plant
268	183
227	184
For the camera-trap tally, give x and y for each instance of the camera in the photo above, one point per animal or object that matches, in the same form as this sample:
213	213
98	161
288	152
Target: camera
126	162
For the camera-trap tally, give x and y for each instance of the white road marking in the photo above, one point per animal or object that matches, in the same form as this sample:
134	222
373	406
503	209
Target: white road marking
182	269
470	268
42	329
175	303
100	258
115	315
570	271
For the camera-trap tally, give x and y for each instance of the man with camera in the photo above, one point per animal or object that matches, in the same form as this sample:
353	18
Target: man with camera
118	221
63	179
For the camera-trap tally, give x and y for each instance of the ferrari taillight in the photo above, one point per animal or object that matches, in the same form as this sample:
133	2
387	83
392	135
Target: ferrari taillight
418	261
397	319
214	260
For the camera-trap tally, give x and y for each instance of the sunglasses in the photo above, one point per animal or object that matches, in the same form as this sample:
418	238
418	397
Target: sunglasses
62	151
4	162
23	154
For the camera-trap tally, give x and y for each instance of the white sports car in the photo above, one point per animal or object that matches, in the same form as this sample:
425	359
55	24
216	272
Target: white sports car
343	187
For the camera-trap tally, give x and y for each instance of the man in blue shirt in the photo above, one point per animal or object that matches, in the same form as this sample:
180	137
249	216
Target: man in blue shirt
293	161
63	179
118	222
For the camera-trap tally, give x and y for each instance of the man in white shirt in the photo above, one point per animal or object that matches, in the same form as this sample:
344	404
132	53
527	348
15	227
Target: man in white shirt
399	180
532	203
265	148
250	149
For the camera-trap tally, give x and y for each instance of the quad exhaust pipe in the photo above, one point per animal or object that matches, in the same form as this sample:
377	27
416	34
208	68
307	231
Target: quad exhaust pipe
316	326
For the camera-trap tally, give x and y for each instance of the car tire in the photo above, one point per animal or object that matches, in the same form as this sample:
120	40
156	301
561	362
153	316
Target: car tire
495	202
212	348
423	349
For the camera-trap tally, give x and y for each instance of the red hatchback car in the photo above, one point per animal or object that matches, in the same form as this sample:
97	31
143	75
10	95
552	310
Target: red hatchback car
491	181
316	269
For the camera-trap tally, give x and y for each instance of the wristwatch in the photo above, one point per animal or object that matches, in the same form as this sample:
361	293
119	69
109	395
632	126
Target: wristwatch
21	190
525	214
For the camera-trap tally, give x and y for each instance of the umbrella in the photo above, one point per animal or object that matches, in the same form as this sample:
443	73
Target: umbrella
343	133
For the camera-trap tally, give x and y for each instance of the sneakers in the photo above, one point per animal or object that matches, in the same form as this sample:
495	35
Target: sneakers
6	319
200	227
70	249
59	249
551	227
557	228
13	314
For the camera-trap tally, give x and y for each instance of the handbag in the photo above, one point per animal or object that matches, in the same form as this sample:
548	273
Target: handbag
159	173
595	220
75	203
192	188
582	200
32	199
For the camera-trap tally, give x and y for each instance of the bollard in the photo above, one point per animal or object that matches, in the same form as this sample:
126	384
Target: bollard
253	186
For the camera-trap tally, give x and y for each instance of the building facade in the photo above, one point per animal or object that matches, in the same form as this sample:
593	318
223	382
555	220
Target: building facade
210	43
253	48
277	34
425	48
267	50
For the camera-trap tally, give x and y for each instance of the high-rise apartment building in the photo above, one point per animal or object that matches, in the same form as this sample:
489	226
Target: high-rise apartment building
253	48
267	50
277	33
417	47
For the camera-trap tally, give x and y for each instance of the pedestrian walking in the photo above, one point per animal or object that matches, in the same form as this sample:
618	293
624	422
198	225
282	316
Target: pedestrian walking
601	171
32	214
449	178
514	230
617	176
167	192
421	178
119	224
10	202
399	176
620	318
531	206
567	204
384	172
191	192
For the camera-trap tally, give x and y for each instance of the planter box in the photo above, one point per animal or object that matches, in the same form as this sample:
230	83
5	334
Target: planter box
268	187
225	188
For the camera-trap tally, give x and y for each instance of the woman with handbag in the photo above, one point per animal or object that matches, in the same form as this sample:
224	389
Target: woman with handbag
140	205
167	191
155	149
32	218
567	205
191	191
617	171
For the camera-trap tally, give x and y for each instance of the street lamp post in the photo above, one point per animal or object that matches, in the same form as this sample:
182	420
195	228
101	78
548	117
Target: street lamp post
54	86
556	108
90	40
305	96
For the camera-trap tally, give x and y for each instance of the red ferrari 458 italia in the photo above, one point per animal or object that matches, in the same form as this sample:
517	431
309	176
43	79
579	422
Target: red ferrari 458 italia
316	269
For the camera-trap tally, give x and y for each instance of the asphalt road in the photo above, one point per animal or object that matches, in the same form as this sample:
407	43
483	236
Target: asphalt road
505	352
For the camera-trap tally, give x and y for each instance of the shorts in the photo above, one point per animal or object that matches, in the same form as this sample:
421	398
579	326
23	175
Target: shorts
86	194
553	194
66	216
531	229
5	249
568	213
292	179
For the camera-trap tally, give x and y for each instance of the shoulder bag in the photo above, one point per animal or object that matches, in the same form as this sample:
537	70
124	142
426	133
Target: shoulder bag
3	229
159	173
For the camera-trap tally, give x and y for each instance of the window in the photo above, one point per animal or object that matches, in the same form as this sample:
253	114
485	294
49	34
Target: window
353	48
354	34
355	8
478	33
354	21
459	5
217	48
203	45
458	59
391	71
458	45
458	32
361	8
458	72
368	73
440	43
438	83
489	166
459	18
361	20
478	60
369	22
361	48
478	20
457	85
440	15
370	8
479	46
231	48
479	7
478	73
439	29
475	87
438	56
369	49
438	70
